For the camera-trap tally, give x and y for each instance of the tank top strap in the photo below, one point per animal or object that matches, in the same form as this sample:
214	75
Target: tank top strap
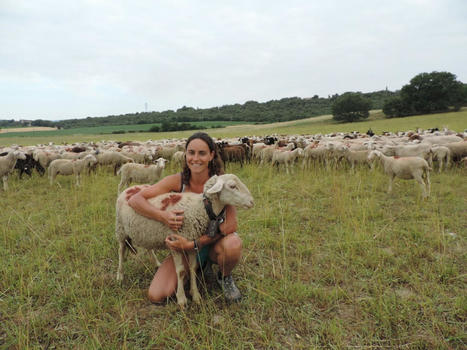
182	187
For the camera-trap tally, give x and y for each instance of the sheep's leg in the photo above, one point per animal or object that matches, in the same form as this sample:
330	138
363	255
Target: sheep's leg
181	273
428	183
154	258
419	178
120	186
430	160
121	255
193	263
391	180
5	183
440	164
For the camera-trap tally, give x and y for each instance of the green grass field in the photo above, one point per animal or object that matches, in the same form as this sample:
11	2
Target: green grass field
104	131
331	261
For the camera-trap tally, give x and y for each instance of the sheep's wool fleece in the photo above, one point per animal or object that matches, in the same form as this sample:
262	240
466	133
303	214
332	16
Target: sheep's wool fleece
150	234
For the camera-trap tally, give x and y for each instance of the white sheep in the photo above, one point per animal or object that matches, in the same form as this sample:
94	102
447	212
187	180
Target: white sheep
458	150
178	159
442	154
45	157
113	158
315	152
70	167
150	234
418	150
141	173
405	168
286	158
7	164
356	157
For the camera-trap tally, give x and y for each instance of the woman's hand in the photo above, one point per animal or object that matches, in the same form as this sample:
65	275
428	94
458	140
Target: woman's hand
173	219
131	192
178	243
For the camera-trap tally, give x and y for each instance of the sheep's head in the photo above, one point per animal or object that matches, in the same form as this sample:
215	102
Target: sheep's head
90	160
19	155
228	189
161	162
374	154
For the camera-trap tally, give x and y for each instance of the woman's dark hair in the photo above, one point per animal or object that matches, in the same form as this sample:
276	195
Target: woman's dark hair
215	165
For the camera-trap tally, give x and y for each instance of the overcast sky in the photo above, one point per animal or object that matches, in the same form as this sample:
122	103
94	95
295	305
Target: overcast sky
73	59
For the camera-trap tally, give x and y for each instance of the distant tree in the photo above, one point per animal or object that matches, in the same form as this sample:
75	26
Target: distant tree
428	93
396	107
351	107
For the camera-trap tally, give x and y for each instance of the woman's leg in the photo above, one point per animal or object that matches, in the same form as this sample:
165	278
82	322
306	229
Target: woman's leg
164	283
227	252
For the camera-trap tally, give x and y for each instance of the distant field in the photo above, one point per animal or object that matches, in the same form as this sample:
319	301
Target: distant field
28	129
322	124
101	130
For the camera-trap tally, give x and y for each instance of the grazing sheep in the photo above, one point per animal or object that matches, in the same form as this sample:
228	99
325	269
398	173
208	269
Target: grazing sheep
458	150
419	150
7	164
113	158
141	173
441	140
150	234
441	154
139	156
233	153
314	152
356	157
70	167
44	157
405	168
168	151
286	157
256	151
178	159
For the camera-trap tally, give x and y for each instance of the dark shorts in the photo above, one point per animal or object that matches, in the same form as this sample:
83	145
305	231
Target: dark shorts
203	255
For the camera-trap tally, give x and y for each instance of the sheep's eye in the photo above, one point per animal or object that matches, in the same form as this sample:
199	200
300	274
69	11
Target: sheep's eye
233	186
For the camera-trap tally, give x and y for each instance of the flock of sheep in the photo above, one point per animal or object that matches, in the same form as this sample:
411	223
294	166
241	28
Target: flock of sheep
143	162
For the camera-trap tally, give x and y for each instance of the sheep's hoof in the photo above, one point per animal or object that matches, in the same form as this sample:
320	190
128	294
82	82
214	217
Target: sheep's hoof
197	298
182	303
119	277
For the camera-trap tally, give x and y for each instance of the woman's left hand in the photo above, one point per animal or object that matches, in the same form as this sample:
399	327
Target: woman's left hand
177	243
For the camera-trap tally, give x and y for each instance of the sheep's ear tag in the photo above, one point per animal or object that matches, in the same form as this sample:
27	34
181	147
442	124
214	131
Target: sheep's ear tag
217	186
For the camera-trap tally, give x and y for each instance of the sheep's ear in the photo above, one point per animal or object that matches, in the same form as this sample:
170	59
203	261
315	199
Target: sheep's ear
217	187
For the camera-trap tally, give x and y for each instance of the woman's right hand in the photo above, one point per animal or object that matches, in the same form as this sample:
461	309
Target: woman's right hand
174	219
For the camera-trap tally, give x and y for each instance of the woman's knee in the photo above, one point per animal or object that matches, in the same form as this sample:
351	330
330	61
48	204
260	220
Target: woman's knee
233	243
158	296
229	246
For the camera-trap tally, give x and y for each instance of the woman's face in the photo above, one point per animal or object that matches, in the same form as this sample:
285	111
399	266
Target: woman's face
198	156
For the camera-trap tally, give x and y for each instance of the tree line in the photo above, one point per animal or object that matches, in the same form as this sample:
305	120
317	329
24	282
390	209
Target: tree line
426	93
285	109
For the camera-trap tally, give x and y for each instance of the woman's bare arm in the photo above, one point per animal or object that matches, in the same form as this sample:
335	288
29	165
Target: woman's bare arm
139	202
